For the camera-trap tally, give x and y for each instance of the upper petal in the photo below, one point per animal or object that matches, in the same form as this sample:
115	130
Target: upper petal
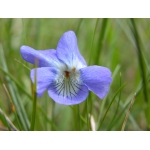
67	48
44	58
97	79
44	77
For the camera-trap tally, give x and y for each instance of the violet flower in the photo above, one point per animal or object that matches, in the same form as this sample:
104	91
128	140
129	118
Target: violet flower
64	72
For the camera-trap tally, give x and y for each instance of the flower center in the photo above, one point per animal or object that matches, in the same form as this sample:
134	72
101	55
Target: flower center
68	83
68	74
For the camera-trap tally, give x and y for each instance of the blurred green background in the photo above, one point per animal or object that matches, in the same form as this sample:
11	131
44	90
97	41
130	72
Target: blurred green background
122	45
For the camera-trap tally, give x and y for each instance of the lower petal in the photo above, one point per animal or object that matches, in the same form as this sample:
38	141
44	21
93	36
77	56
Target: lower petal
97	79
68	95
44	77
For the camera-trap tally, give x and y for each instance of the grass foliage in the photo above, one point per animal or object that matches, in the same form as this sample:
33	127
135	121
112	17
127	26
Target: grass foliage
119	44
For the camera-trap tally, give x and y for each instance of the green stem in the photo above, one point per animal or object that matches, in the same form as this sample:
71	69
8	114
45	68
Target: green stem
75	118
117	105
79	122
34	104
93	37
140	58
110	105
33	113
142	68
79	24
87	113
101	37
8	122
52	116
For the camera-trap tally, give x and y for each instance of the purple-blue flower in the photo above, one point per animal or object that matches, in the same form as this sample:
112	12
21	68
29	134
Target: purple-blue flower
64	72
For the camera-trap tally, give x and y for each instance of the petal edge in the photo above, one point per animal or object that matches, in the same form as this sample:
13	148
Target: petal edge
97	79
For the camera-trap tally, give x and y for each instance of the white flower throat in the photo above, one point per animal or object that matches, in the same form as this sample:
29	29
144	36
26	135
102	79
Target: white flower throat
68	83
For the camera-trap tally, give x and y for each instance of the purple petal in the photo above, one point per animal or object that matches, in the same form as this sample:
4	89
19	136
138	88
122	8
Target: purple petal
97	79
67	48
68	100
44	77
45	58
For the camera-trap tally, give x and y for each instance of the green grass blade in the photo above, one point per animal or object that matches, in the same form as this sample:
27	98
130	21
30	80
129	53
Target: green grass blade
109	106
104	101
34	103
54	127
78	26
87	113
76	114
142	68
10	125
117	105
140	57
93	37
127	114
12	106
79	121
100	40
14	94
119	116
4	120
16	82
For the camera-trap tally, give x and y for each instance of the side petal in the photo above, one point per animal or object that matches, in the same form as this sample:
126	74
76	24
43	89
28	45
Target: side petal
44	77
44	58
67	48
97	79
68	95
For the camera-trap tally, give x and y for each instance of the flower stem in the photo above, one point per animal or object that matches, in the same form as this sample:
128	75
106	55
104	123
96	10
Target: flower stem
87	110
34	104
79	122
33	113
76	117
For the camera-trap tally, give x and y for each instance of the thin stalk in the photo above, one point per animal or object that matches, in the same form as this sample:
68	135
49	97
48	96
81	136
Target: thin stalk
15	95
34	104
100	40
76	117
116	120
79	122
142	68
83	119
128	112
117	105
22	64
46	110
38	31
53	126
87	113
93	37
79	24
109	106
9	123
140	57
101	108
13	107
16	82
52	114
